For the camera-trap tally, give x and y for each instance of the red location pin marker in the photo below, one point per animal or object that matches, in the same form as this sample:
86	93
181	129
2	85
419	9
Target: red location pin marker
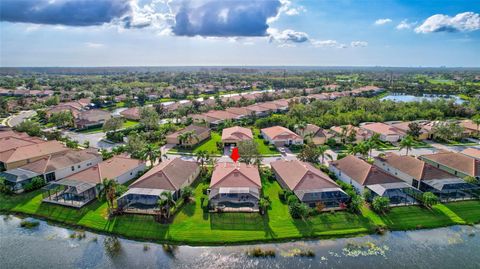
235	155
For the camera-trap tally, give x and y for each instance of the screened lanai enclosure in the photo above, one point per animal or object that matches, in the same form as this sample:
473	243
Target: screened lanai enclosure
452	189
399	193
331	198
140	200
69	192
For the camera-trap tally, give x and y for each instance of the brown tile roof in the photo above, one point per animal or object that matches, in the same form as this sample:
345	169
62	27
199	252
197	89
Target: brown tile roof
413	167
237	133
301	175
457	161
314	130
363	172
280	133
220	115
256	108
472	152
195	128
468	124
131	113
380	128
61	160
111	169
168	175
230	175
35	150
241	111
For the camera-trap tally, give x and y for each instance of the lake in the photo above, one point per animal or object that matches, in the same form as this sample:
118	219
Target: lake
48	246
401	97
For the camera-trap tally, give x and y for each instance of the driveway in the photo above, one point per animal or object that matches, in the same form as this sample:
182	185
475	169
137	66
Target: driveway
14	120
95	139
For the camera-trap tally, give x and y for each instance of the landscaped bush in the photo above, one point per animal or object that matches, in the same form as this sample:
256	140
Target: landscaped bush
298	210
292	199
380	204
34	184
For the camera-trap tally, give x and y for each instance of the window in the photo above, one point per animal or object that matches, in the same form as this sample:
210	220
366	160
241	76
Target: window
78	166
131	173
73	168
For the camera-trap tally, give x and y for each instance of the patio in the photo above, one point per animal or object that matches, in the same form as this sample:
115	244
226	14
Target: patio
68	192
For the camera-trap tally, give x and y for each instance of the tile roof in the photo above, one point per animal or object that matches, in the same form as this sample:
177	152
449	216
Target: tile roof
457	161
302	175
413	167
34	150
230	175
363	172
280	133
237	133
168	175
111	169
380	128
61	160
472	152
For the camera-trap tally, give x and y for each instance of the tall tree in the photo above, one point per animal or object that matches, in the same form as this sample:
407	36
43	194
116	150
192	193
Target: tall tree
152	153
113	124
108	192
407	143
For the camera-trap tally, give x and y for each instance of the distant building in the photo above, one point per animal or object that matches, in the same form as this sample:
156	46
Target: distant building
200	133
281	136
387	133
457	164
236	134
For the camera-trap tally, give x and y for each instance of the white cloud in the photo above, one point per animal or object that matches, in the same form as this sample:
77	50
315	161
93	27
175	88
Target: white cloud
328	44
404	25
382	21
462	22
287	36
288	9
357	44
94	45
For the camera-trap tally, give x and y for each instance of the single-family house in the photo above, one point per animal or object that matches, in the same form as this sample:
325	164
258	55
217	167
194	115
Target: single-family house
199	134
457	164
318	135
425	177
470	128
132	113
387	133
349	133
81	188
235	187
91	118
404	128
363	175
233	135
52	167
18	152
169	176
281	136
309	184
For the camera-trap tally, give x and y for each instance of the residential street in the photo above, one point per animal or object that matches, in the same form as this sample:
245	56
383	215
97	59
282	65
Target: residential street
14	120
95	139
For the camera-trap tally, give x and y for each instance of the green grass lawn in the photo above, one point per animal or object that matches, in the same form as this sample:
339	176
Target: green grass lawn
209	145
194	226
99	129
262	148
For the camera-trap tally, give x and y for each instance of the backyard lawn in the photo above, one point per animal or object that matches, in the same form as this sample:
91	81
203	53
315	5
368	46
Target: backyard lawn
209	145
126	124
262	148
194	226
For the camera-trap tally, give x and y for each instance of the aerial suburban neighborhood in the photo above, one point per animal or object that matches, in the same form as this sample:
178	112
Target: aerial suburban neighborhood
239	134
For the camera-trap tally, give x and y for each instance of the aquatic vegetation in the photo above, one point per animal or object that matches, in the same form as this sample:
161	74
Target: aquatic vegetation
170	250
364	249
146	247
29	224
78	235
112	245
95	239
297	252
261	253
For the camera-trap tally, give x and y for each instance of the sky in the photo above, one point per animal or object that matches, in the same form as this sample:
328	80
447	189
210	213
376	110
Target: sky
86	33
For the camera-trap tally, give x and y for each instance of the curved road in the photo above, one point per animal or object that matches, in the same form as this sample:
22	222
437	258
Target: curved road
20	117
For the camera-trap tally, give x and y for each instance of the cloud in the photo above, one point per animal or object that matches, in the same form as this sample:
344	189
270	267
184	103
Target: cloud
382	21
64	12
94	45
225	18
462	22
358	44
287	36
404	25
328	44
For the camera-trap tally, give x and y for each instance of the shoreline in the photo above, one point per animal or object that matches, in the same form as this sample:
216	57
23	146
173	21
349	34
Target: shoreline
57	223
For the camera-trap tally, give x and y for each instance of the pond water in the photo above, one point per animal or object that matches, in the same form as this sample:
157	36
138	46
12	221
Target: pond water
51	247
401	97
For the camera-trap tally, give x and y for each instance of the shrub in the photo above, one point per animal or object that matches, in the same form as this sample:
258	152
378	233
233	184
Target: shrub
292	199
29	224
429	199
355	204
380	204
260	253
34	184
298	210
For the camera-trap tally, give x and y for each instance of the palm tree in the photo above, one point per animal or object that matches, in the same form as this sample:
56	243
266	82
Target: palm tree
322	149
407	143
151	153
476	120
373	143
352	149
263	204
363	148
202	157
187	137
166	201
108	192
300	127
